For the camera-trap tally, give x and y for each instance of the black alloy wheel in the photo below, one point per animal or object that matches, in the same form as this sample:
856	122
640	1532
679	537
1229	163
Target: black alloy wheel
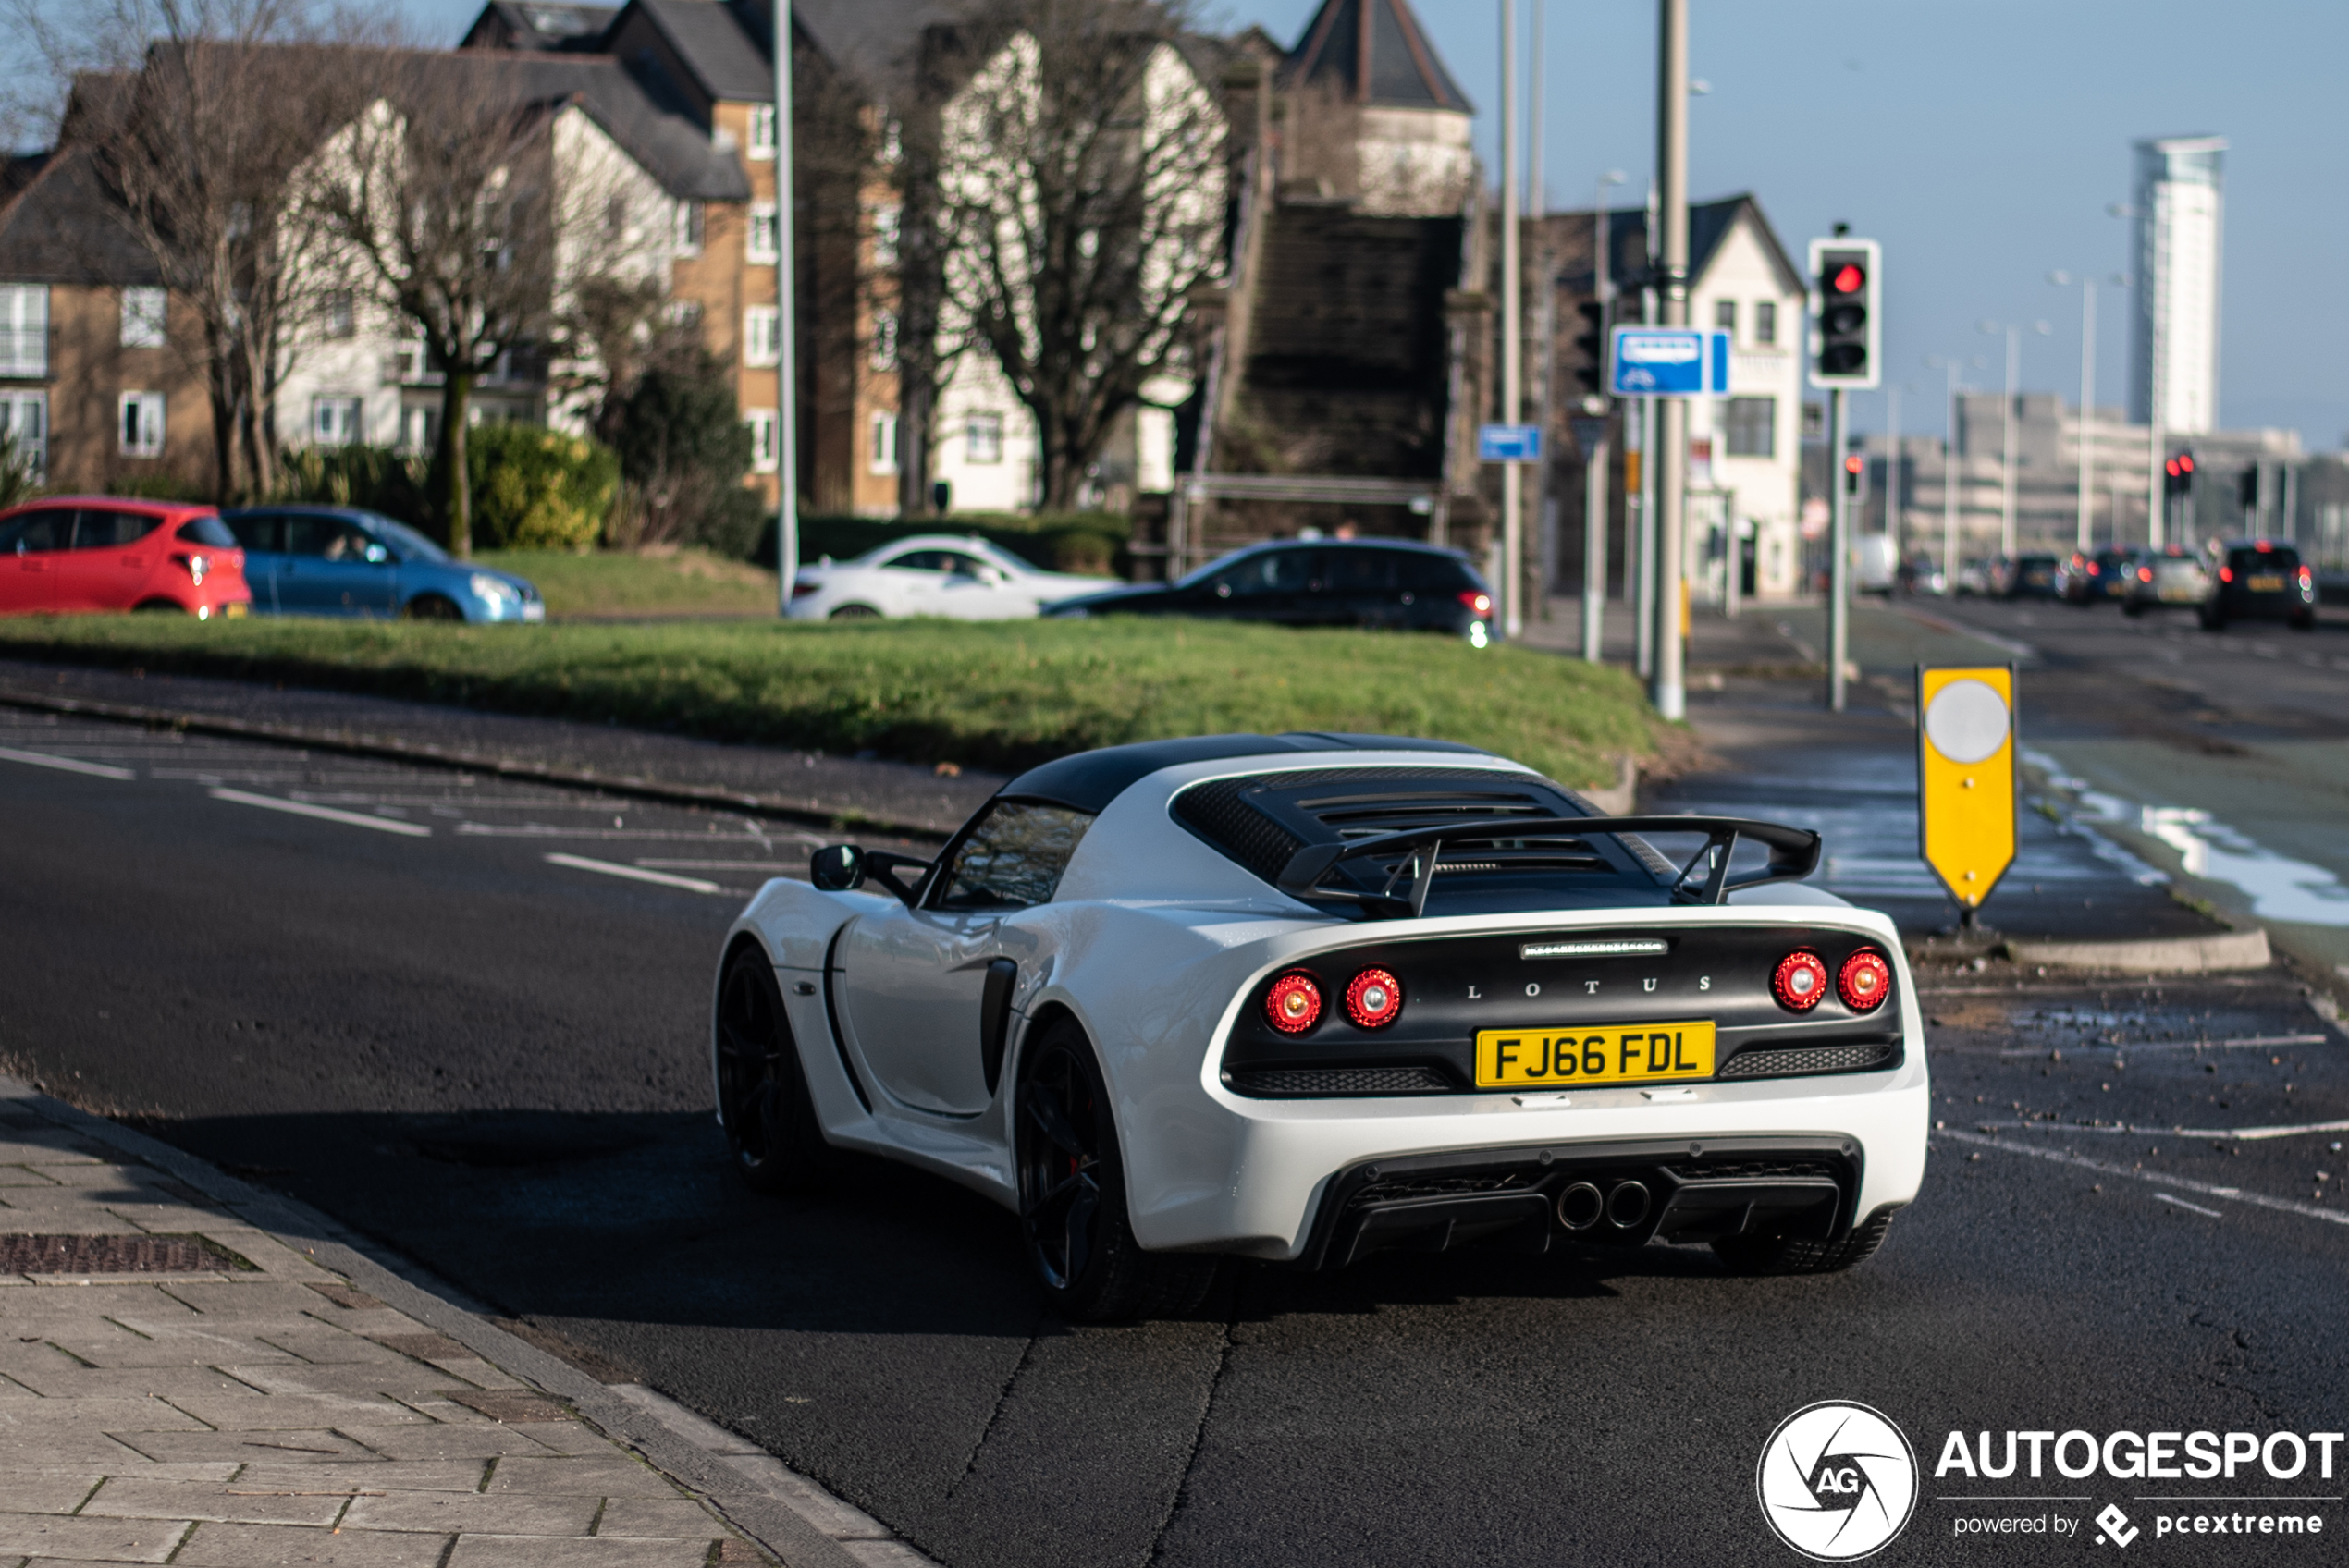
855	612
1071	1196
762	1094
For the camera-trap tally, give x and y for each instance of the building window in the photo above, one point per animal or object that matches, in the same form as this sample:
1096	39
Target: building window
141	424
341	315
417	429
762	132
409	355
762	336
143	318
885	225
334	422
684	313
763	458
983	438
881	455
1724	315
1753	425
884	340
1765	321
24	426
687	237
760	240
24	329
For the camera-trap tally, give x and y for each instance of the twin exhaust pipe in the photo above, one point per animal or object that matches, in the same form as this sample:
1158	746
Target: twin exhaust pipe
1582	1206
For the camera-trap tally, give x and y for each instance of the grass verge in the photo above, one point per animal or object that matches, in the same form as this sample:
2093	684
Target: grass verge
1001	695
615	584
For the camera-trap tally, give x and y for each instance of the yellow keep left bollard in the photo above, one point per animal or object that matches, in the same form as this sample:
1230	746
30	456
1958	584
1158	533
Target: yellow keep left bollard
1965	778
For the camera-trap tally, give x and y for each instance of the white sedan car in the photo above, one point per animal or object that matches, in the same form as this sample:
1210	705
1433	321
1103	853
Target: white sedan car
1301	998
959	577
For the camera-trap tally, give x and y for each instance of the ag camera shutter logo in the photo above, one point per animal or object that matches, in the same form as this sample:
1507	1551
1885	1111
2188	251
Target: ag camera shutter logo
1837	1481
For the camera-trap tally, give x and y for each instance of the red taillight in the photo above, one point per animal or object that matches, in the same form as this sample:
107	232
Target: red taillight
2095	570
2226	574
2145	574
1800	981
1479	605
2304	577
1374	999
1293	1004
198	567
1866	981
801	588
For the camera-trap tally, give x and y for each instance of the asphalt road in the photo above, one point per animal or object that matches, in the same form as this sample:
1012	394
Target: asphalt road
494	1062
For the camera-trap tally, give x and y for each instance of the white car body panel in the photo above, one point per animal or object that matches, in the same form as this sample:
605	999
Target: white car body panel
1006	589
1153	942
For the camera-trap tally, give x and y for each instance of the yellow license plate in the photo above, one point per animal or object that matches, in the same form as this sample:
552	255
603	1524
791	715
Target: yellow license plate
1613	1053
234	612
2266	585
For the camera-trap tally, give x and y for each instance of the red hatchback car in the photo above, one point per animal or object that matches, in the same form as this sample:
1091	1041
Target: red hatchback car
78	553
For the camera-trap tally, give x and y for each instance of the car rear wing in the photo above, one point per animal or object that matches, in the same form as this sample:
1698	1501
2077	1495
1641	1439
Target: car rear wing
1793	854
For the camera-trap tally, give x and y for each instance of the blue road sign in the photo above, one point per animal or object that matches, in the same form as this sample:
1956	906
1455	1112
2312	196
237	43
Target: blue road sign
1508	443
1668	361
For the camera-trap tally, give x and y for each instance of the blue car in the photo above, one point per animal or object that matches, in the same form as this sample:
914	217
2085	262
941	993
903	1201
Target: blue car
344	561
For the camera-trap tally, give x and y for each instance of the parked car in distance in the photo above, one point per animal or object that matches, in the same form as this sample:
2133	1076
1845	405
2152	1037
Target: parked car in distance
2258	580
1392	584
1922	574
2099	578
346	561
1875	563
959	576
67	554
2032	577
1974	578
2170	576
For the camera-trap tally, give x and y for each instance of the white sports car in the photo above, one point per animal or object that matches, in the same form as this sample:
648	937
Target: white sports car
961	577
1300	997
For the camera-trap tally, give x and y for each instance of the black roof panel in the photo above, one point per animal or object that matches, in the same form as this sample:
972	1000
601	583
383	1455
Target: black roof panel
1091	781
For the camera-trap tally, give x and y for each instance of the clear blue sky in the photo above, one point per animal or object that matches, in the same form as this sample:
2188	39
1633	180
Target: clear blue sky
1981	141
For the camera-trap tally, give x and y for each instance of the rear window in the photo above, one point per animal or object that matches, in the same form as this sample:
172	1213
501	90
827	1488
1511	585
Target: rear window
108	530
2281	557
207	530
1014	857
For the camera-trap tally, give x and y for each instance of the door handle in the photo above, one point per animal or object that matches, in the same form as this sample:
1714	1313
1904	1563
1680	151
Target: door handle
995	1018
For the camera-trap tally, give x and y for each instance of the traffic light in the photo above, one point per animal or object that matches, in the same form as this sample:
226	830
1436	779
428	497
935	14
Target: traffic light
2247	489
2177	475
1847	343
1592	343
1853	467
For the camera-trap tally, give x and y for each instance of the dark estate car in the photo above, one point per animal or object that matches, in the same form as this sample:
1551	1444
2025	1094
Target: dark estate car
347	561
2034	577
1386	584
2258	580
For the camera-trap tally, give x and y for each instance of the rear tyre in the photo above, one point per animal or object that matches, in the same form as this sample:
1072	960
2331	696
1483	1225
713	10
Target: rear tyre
2213	622
2304	623
1781	1255
855	612
2131	608
159	607
431	606
1071	1196
771	1129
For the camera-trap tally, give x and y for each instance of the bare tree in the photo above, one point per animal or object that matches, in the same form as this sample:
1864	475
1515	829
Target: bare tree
1079	198
199	114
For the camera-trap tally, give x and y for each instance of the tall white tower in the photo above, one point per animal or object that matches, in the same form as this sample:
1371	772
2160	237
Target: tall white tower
2173	370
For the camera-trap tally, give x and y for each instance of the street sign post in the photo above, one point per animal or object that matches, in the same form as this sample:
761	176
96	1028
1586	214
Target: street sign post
1965	778
1508	443
1668	361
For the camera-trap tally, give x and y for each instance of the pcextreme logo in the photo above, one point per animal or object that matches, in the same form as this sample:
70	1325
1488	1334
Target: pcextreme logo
1837	1481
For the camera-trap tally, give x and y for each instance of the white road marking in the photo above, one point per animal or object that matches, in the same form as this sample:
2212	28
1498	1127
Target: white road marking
781	868
323	813
2246	1042
67	764
2232	1195
2241	1134
2165	1198
635	873
637	834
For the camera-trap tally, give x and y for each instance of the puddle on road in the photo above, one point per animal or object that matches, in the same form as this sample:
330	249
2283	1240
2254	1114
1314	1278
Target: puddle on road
2280	888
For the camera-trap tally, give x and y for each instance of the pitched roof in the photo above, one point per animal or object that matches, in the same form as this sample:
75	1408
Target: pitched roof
540	24
63	227
1375	53
1709	225
709	37
874	41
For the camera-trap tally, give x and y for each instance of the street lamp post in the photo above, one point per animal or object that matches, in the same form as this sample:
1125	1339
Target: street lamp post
787	345
1668	689
2088	410
1949	477
2015	389
1512	344
1595	456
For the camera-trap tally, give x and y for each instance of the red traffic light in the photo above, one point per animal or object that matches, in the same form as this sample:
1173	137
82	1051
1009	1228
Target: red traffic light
2185	462
1854	463
1849	279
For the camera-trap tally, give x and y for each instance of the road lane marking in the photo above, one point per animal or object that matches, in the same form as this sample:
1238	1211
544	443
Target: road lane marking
2246	1042
67	764
780	868
635	873
2204	1189
2241	1134
323	813
2165	1198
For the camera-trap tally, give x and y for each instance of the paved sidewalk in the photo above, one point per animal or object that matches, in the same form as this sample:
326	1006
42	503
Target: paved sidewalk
181	1385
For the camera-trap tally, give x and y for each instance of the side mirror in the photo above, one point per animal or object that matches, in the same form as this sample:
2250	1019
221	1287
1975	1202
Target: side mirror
836	868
